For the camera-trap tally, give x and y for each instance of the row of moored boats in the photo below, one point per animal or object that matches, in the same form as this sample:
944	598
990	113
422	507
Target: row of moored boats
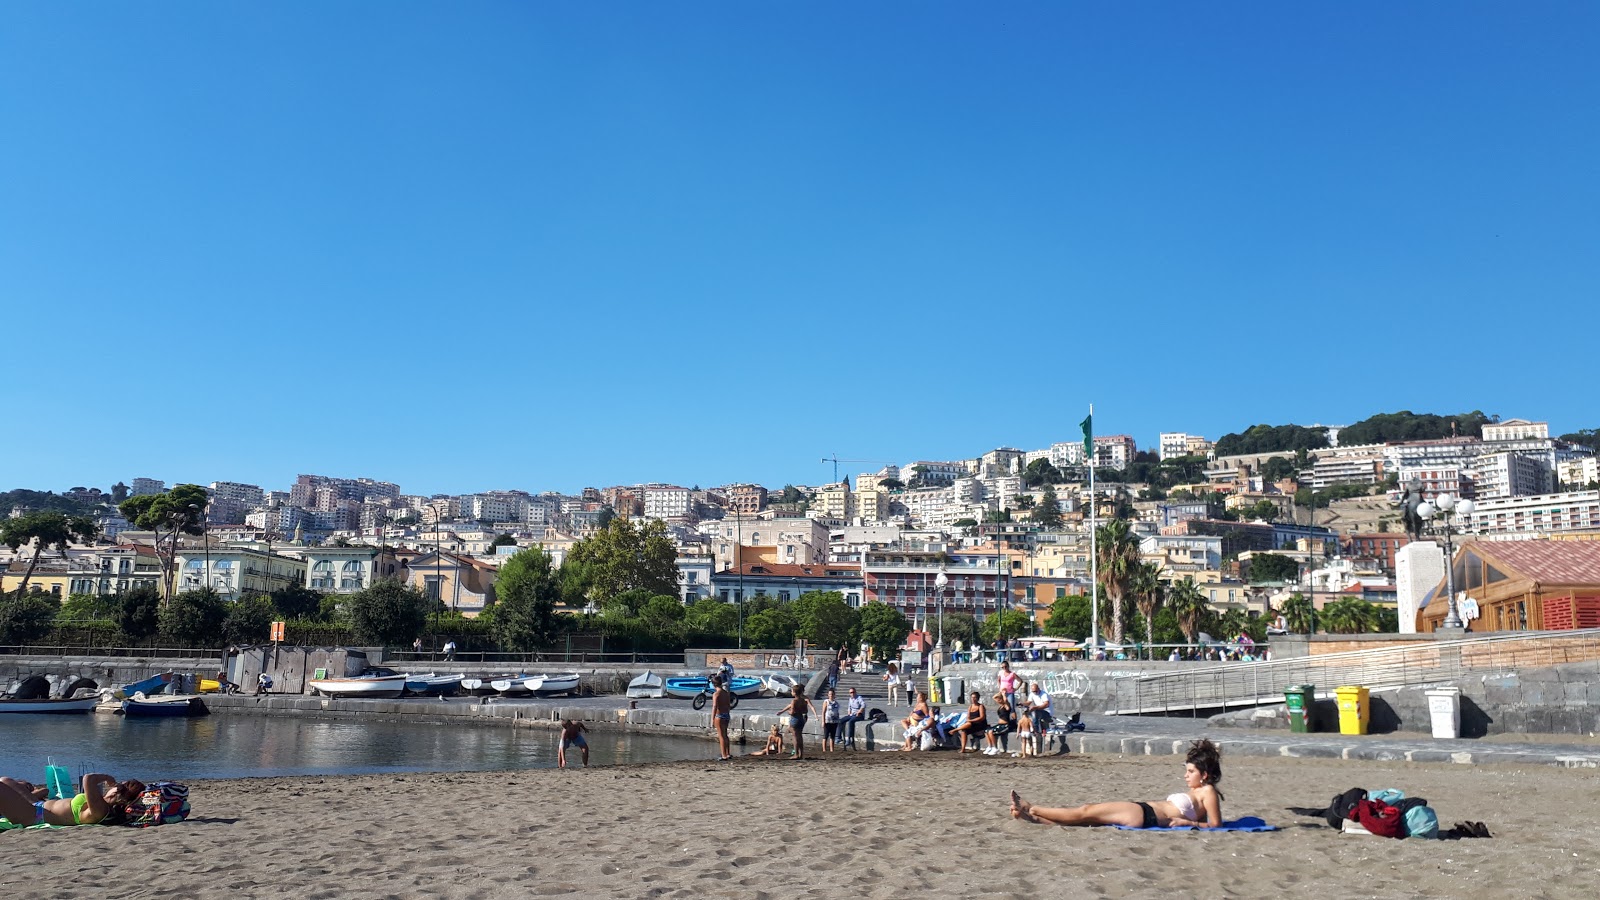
687	686
383	683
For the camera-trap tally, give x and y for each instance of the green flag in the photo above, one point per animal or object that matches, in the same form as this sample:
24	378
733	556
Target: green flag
1088	438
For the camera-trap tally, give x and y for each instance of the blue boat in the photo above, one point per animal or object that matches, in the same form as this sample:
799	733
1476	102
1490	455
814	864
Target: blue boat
151	686
689	686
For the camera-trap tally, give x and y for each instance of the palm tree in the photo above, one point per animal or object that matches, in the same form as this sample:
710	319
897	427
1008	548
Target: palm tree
1189	605
1117	552
1349	615
1299	613
1149	592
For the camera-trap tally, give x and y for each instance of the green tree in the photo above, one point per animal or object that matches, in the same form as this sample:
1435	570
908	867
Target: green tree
1277	468
1149	592
249	621
1300	614
1117	551
621	557
1023	501
88	607
119	492
1048	511
1409	426
171	515
771	628
296	601
1272	439
883	628
1005	623
1070	617
1274	567
44	530
1350	615
138	612
1189	606
824	618
24	618
389	613
526	590
960	626
194	619
711	621
662	619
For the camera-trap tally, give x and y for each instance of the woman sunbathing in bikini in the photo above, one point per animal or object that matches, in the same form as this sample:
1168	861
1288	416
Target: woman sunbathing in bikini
1200	805
102	800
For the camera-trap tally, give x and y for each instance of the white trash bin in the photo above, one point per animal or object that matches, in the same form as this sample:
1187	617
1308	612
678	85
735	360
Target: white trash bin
1444	707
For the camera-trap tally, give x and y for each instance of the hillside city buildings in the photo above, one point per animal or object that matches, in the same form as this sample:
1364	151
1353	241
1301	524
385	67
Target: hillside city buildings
885	535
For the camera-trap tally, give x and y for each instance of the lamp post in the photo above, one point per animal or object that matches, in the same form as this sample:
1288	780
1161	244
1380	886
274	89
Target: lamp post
940	582
1439	514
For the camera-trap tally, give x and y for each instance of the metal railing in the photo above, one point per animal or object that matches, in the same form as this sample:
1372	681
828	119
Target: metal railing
575	656
80	650
1253	684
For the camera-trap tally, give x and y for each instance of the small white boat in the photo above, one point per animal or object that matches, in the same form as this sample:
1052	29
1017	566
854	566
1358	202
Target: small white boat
432	684
371	687
648	686
521	684
82	704
558	683
782	685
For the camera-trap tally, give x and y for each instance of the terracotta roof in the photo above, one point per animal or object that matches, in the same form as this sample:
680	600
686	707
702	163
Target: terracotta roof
1547	562
796	570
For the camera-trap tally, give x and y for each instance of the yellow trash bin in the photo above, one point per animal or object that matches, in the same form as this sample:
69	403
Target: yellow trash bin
1352	709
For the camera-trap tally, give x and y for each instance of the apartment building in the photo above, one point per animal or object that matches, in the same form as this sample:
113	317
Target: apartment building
1114	451
1066	453
1512	475
1174	444
666	501
931	473
462	583
1578	473
1538	513
144	486
496	506
236	492
1379	546
1436	481
999	462
237	571
340	570
1349	465
1516	430
832	501
792	541
976	581
746	499
787	582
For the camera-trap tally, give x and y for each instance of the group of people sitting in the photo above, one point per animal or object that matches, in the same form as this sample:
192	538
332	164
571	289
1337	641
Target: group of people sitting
929	728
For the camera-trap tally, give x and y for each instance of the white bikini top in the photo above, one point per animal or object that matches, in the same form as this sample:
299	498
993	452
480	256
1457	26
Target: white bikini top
1185	806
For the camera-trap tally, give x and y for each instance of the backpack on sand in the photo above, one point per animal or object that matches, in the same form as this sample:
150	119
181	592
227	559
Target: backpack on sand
161	803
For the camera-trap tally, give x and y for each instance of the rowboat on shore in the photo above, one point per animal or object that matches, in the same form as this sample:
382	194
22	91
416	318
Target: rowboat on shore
149	687
687	687
483	685
361	687
521	685
558	683
78	705
782	685
646	687
432	685
141	706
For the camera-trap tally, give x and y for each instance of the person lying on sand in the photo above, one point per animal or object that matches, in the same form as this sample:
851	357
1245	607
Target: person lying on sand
1200	805
102	800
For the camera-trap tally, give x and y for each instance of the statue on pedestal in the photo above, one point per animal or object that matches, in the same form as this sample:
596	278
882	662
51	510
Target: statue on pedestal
1408	509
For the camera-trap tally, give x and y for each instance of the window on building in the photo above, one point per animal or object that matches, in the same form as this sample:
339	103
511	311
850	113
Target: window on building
691	577
783	596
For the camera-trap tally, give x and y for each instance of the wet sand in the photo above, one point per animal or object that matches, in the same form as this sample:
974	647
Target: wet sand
880	825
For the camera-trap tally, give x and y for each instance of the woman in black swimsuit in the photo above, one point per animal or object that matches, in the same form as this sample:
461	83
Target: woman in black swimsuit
797	710
976	725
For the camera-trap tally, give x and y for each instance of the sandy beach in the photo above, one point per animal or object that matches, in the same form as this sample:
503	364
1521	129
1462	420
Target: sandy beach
875	825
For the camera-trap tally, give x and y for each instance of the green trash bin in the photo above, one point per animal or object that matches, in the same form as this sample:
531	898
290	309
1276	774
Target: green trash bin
1299	697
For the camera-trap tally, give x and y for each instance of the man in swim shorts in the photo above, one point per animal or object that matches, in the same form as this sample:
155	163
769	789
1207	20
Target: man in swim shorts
721	713
572	736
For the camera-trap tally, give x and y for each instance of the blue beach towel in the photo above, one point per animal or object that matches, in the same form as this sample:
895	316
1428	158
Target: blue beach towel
1248	823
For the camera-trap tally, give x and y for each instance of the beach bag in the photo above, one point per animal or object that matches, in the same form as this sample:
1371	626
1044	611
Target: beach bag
1343	805
1391	796
161	803
929	741
1379	818
877	715
1422	822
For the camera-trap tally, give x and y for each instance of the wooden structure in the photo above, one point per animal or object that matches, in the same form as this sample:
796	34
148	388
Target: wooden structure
1530	585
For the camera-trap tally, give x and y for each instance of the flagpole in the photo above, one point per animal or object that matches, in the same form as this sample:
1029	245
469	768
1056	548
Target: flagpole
1094	549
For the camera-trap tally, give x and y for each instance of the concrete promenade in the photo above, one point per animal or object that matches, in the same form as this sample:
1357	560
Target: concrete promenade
1121	735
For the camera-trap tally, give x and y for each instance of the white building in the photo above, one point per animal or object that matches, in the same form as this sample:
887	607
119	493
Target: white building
1066	453
339	570
143	486
1512	475
1578	473
1174	444
244	494
1516	430
931	473
666	501
1114	451
1538	513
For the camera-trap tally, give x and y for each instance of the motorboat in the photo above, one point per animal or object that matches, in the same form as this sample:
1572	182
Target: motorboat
782	685
517	685
140	705
558	683
646	687
431	684
74	705
360	687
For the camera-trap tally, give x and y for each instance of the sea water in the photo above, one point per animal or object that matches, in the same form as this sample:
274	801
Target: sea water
246	746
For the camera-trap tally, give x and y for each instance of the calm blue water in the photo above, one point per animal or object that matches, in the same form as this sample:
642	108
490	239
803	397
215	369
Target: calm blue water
243	746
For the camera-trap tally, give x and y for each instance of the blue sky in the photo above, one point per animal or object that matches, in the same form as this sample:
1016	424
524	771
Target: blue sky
480	245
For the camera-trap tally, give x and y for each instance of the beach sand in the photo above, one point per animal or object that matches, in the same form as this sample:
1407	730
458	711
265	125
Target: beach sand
874	825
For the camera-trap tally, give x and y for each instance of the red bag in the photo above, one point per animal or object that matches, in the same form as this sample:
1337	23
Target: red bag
1379	818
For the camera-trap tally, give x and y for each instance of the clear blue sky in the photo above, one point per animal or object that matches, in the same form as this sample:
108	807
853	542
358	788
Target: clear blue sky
537	245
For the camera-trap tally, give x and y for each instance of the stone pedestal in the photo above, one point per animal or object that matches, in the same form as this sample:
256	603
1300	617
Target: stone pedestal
1418	567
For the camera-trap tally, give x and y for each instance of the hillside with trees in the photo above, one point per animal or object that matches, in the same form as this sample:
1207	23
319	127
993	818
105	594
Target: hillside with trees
1409	426
1272	439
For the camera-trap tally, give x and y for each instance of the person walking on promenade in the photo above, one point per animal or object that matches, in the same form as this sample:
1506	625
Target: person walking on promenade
797	711
721	713
571	736
450	650
891	680
855	710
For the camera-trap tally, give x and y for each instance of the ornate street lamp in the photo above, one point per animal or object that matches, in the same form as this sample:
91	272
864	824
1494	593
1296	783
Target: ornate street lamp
940	582
1438	515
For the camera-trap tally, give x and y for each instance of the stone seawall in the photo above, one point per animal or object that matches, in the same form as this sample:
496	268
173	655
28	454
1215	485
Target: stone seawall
106	671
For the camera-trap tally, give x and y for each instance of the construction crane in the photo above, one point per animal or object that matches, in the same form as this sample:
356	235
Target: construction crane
836	460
